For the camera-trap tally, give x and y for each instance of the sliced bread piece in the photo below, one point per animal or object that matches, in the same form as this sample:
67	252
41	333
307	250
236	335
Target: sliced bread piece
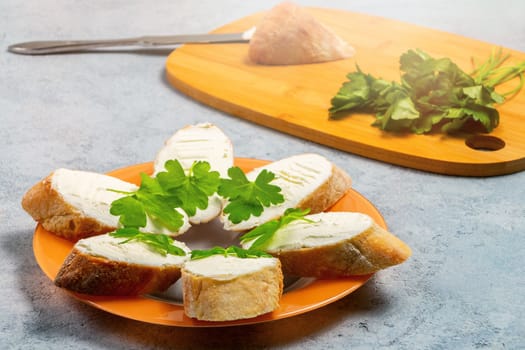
307	181
335	244
226	288
103	265
288	34
200	142
75	204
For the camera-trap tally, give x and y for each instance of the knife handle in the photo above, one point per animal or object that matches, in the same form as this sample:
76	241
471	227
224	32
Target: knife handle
62	46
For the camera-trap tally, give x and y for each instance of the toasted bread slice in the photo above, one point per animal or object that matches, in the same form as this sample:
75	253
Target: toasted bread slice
103	265
226	288
290	35
335	244
75	204
306	181
200	142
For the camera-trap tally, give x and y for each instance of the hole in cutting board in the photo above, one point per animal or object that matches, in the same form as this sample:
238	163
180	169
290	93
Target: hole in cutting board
485	143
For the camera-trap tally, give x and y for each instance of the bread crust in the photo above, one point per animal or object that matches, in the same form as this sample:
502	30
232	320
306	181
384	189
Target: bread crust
48	207
88	274
370	251
328	193
246	296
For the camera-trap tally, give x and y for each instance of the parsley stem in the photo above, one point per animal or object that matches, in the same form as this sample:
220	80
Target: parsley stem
484	70
504	74
517	89
119	191
491	73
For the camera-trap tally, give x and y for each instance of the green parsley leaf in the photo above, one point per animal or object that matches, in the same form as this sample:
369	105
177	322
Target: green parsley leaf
264	233
163	212
230	251
149	200
161	243
194	189
248	198
130	210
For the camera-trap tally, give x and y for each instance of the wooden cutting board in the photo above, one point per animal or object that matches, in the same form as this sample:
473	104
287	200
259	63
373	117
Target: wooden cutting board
295	99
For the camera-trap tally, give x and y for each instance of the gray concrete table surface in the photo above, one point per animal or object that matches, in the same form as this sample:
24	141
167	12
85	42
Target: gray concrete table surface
463	288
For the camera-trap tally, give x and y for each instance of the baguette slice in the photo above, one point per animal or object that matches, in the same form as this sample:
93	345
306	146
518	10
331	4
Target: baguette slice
103	265
335	244
226	288
306	181
75	204
290	35
200	142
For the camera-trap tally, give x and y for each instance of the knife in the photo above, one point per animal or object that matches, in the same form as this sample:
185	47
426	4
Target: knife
63	46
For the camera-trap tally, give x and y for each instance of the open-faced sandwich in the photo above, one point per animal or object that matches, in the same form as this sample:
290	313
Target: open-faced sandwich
75	204
112	265
225	287
306	181
328	245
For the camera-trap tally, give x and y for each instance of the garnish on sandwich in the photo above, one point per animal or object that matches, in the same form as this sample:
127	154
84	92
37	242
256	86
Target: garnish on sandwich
159	197
230	251
161	243
246	197
264	233
149	200
433	94
192	190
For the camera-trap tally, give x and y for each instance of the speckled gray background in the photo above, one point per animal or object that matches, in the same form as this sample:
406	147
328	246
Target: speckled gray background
464	287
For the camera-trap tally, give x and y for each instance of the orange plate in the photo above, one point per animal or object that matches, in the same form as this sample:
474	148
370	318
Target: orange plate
51	250
295	99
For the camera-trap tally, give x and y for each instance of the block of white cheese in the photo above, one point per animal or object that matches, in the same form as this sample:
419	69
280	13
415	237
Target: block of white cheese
104	265
307	181
226	288
335	244
75	204
289	34
200	142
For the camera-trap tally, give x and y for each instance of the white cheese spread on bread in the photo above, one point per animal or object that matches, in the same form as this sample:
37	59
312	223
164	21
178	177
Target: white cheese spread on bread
200	142
222	267
90	193
321	229
132	252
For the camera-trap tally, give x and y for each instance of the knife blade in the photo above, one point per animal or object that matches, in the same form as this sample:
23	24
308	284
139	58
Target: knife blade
64	46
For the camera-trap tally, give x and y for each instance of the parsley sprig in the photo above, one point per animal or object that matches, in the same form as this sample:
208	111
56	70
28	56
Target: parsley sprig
159	197
191	190
230	251
149	200
247	198
161	243
433	93
263	234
